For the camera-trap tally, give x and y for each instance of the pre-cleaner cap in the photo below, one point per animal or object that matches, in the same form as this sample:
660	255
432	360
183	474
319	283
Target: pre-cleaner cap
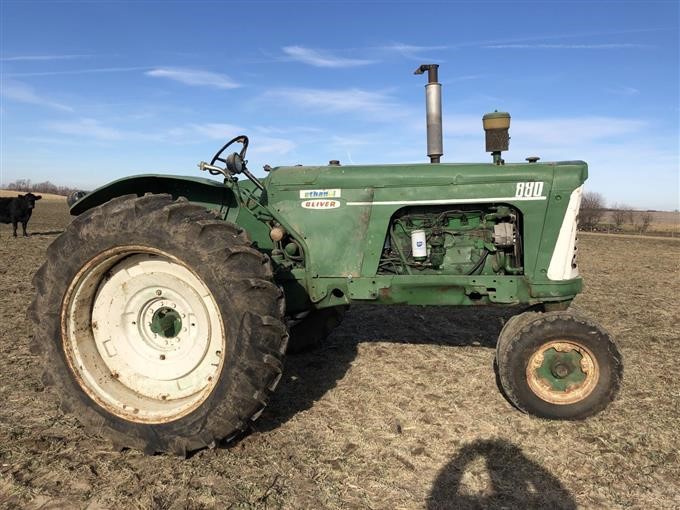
496	120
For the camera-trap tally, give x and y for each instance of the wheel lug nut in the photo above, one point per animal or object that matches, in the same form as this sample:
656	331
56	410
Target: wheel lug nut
159	292
162	356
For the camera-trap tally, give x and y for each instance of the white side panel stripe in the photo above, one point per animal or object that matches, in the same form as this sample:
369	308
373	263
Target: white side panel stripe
450	201
560	267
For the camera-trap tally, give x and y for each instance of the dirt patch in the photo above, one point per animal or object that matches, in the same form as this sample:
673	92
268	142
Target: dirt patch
399	409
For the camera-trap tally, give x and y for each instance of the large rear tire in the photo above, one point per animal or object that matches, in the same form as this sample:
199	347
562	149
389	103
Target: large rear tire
558	365
158	324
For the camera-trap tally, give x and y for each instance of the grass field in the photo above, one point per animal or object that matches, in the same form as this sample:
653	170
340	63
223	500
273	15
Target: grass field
45	196
398	410
662	222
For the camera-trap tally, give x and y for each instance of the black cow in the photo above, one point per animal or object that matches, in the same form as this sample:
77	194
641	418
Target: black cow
18	209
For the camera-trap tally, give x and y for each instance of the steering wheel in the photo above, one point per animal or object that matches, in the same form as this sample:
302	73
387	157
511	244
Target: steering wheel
235	162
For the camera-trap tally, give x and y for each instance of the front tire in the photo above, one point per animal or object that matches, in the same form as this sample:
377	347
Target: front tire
557	365
158	324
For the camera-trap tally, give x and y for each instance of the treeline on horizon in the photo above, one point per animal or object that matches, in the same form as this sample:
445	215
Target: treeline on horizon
596	215
39	187
593	206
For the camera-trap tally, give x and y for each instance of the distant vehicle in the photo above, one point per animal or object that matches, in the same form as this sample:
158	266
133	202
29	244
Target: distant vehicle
74	197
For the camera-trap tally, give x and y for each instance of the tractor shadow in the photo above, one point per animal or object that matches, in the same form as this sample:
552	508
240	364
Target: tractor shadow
32	233
511	480
309	376
46	233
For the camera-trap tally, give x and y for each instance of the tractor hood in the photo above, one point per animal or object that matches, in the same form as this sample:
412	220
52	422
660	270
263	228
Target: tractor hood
564	175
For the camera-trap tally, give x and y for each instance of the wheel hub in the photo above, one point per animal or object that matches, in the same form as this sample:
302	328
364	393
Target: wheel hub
562	372
143	335
158	321
166	322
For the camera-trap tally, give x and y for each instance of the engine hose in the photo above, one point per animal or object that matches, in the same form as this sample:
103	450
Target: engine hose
480	262
401	254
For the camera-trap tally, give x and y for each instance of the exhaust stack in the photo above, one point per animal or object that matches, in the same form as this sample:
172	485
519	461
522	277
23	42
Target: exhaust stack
433	105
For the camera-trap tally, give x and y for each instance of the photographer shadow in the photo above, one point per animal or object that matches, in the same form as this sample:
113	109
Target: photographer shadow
513	481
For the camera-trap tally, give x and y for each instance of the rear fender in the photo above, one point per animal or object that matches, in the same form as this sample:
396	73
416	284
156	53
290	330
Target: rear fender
205	192
211	194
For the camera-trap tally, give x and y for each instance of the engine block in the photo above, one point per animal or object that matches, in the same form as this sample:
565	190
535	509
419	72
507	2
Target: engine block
467	240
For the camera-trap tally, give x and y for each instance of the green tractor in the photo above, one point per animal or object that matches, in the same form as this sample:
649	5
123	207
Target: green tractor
164	311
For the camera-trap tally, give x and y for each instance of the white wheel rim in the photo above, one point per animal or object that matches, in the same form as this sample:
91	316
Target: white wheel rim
143	335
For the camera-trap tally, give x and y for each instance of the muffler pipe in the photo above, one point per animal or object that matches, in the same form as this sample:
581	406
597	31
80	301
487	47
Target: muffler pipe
433	111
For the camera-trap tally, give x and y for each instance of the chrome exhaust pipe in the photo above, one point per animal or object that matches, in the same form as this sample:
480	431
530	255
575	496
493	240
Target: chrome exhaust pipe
433	111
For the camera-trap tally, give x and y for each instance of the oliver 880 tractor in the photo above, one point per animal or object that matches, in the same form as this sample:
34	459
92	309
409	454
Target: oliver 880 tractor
164	310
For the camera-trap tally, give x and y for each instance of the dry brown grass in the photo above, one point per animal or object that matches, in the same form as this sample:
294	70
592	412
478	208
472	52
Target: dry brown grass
45	196
662	222
399	409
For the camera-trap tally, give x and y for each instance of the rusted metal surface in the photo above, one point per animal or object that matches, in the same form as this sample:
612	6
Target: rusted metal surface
77	332
549	388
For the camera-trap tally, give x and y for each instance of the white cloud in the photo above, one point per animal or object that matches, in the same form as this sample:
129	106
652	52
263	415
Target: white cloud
278	130
379	105
20	58
413	51
87	128
624	91
279	146
23	93
349	141
47	140
194	77
465	77
216	131
322	59
223	132
573	131
560	135
95	70
460	125
606	46
539	39
551	138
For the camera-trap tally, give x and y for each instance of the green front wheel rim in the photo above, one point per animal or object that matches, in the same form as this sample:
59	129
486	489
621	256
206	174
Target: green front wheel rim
562	372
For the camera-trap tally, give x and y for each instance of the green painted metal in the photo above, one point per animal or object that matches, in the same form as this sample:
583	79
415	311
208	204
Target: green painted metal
207	192
337	220
561	370
223	198
166	322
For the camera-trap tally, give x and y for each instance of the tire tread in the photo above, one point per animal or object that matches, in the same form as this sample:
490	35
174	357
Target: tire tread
245	272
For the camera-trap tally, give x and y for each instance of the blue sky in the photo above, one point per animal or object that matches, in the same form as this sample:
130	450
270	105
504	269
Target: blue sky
93	91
